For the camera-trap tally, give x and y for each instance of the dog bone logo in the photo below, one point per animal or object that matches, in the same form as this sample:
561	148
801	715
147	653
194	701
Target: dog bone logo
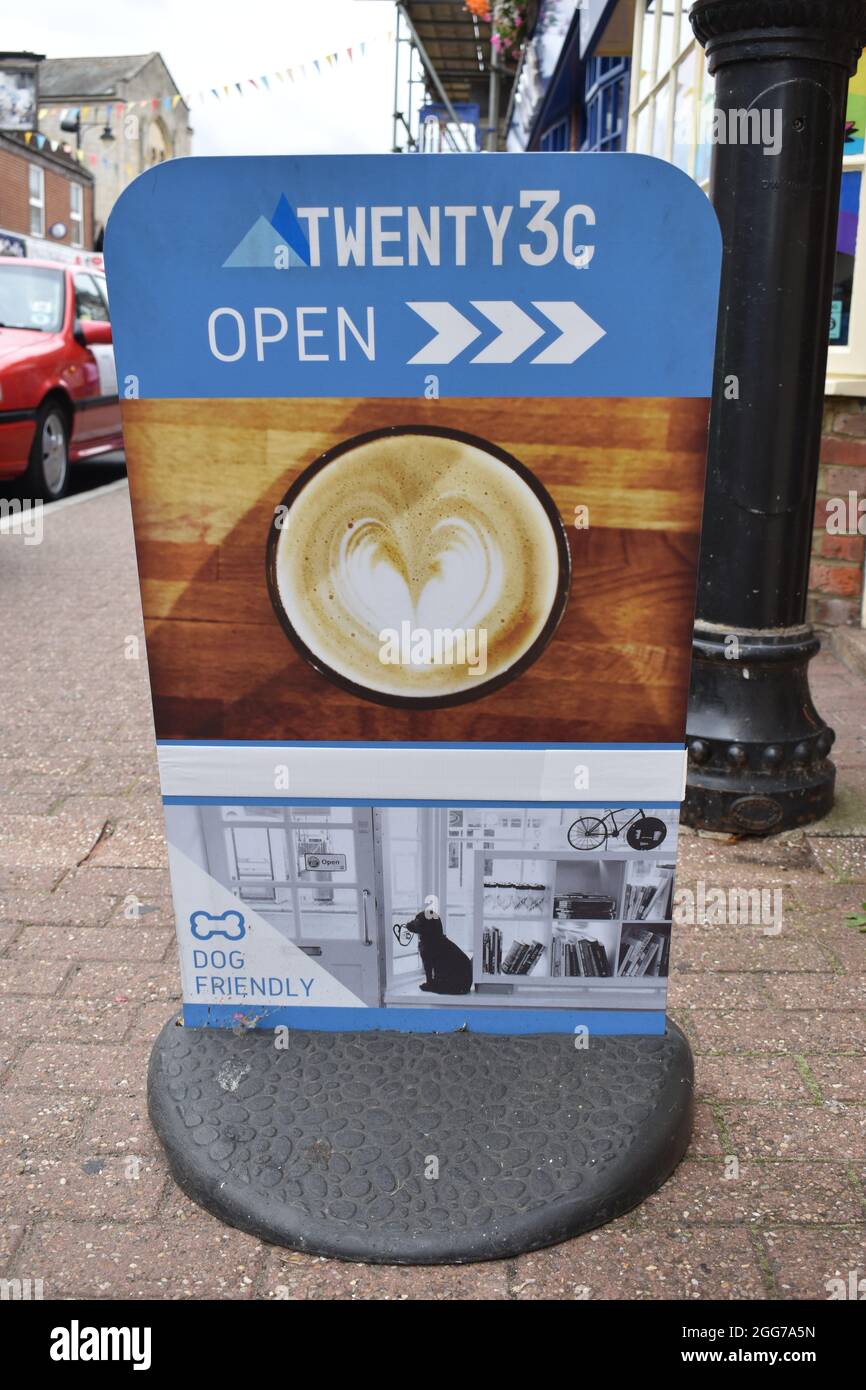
207	924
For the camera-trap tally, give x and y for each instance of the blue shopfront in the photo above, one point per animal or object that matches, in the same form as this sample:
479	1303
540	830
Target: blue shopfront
572	90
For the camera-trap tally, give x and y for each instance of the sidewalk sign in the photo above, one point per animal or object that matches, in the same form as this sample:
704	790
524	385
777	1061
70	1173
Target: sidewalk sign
416	456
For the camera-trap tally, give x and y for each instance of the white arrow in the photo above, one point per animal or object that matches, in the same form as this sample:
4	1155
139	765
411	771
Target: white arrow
517	331
578	332
453	332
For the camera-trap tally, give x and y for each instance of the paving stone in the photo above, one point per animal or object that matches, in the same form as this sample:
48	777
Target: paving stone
120	1125
841	857
141	982
37	977
750	1078
165	1259
136	845
40	1119
832	1132
840	1078
778	1030
618	1262
705	1135
81	1185
75	1020
848	949
716	991
117	943
11	1236
48	840
706	1192
296	1276
62	905
150	1019
816	991
79	1067
808	1264
730	950
8	933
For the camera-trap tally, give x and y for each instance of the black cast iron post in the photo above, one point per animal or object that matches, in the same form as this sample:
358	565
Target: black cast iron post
758	748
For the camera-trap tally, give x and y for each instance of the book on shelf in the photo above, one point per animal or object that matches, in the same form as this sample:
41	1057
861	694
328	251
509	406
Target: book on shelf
575	955
643	952
521	957
576	907
491	955
651	900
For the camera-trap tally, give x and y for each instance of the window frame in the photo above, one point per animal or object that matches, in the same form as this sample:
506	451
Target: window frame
846	365
602	81
76	213
36	201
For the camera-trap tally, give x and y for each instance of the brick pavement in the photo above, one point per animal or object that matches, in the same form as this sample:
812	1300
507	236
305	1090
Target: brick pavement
778	1023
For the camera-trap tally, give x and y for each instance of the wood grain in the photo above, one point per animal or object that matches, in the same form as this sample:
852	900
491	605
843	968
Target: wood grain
205	477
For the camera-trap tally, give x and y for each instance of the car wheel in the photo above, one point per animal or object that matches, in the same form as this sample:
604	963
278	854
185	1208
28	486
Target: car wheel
47	476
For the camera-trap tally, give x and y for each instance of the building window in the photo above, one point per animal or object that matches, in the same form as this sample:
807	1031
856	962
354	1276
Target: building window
846	367
76	213
605	103
671	116
36	187
672	92
555	138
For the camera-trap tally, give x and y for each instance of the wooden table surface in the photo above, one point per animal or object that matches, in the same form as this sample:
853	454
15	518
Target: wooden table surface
205	477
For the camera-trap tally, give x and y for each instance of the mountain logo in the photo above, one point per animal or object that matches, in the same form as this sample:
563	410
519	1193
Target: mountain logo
274	243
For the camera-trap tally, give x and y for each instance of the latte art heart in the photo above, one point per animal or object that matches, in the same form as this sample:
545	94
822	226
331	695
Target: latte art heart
453	581
420	530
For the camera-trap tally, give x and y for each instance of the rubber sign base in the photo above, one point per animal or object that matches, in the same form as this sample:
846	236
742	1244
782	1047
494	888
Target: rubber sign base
391	1148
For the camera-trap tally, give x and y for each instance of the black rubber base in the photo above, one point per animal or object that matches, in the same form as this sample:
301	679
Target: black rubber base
419	1149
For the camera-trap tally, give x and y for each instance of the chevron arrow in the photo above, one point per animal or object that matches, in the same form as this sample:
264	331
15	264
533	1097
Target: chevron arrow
517	331
453	332
577	332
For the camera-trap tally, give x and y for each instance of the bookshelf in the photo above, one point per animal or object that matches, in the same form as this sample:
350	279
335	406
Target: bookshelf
553	919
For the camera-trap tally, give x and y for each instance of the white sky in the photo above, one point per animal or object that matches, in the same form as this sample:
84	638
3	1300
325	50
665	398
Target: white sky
207	43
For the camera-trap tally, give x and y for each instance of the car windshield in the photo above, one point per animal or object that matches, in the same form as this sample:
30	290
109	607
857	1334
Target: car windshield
31	297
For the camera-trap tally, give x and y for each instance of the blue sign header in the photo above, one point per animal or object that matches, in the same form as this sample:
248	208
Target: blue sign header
499	275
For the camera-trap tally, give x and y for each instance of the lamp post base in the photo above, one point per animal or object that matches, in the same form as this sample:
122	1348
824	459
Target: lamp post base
397	1148
757	746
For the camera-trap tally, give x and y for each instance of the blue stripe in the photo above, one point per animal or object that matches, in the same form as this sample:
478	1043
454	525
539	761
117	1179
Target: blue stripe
599	1022
348	743
391	801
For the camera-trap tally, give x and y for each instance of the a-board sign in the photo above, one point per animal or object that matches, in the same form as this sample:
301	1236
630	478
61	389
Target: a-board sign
416	452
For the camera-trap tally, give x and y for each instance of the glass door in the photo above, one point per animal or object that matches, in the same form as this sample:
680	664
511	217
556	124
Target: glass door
308	871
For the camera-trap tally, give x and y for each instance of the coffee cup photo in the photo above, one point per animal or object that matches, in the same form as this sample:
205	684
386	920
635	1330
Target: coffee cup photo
404	570
418	566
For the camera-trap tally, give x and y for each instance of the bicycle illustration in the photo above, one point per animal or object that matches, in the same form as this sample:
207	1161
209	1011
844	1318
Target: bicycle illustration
641	831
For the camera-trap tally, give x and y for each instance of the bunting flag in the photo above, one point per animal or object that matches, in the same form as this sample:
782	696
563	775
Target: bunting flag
263	85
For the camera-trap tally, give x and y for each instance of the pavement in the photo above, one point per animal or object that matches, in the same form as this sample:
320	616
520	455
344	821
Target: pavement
770	1202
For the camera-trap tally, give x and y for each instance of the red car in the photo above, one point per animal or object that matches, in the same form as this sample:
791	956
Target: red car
58	383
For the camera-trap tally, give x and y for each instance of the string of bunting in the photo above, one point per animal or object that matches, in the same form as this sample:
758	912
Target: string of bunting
265	84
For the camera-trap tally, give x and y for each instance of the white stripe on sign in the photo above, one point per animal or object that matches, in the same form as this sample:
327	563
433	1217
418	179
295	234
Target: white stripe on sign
558	776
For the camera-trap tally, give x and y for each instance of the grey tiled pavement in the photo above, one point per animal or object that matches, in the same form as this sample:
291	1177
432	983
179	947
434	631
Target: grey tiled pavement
778	1023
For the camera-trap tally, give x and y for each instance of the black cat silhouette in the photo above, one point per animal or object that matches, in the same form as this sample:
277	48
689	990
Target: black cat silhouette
448	969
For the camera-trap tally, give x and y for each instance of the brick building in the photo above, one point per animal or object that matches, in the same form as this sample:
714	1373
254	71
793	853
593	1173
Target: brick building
45	196
130	112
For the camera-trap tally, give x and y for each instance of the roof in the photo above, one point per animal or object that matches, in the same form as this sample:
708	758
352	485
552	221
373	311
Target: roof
92	77
457	43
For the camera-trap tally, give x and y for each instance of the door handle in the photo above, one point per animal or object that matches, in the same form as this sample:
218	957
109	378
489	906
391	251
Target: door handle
312	950
365	893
